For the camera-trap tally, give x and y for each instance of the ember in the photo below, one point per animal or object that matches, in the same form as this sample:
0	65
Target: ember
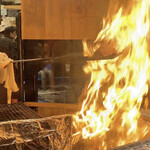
113	97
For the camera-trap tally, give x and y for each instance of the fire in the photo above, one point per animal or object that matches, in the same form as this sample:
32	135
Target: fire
114	94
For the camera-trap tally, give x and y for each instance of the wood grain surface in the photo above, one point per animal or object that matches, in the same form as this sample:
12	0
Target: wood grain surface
62	19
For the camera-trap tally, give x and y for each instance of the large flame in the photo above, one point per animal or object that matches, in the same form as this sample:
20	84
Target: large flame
117	86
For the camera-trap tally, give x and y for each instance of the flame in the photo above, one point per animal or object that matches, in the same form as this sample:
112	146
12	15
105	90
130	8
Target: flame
114	94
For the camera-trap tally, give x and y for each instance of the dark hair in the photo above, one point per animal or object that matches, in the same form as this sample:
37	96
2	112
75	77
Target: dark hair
8	30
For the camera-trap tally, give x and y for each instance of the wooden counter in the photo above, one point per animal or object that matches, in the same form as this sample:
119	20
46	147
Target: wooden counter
51	109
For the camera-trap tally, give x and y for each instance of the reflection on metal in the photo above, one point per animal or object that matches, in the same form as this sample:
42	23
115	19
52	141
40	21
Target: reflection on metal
142	145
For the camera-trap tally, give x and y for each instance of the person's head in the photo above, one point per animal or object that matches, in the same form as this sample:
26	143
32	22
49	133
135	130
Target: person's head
10	32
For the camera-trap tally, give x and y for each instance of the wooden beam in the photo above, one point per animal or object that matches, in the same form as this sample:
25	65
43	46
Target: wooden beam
52	105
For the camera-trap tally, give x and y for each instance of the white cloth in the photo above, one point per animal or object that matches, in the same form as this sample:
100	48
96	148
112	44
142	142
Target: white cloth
7	75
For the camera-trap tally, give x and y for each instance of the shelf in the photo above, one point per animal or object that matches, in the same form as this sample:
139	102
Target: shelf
12	7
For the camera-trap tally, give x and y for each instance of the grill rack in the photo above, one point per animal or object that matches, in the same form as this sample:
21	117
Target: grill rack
16	111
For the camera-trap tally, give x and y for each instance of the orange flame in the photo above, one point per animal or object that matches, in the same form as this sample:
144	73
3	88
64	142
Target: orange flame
116	88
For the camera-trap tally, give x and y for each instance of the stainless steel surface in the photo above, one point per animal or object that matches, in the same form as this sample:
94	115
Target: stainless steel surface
141	145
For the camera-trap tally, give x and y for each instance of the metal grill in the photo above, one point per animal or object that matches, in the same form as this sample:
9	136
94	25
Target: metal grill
21	128
16	111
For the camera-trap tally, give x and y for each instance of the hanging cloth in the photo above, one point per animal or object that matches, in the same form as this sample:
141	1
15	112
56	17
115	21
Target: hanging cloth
7	75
